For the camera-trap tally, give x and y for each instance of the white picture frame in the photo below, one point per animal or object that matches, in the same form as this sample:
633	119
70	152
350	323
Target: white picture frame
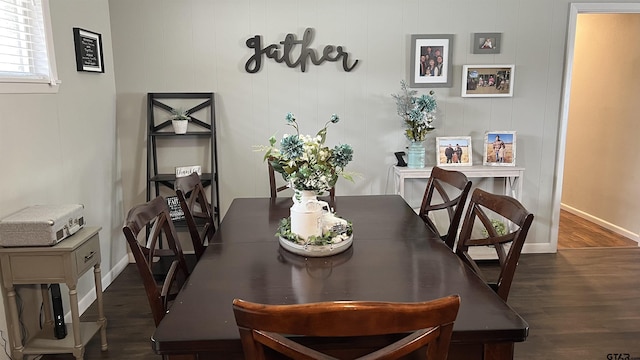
461	151
492	144
487	80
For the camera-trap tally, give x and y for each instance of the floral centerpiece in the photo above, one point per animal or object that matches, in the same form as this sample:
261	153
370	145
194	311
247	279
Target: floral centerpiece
305	162
311	168
417	112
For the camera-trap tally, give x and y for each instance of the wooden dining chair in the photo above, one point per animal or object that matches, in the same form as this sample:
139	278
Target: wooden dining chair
155	214
442	212
428	323
485	207
197	211
275	189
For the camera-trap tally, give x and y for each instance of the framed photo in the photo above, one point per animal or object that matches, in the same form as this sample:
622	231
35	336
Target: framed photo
486	43
500	148
88	47
487	80
431	61
454	151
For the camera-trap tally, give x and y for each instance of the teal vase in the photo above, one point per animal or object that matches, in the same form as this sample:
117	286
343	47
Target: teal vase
416	155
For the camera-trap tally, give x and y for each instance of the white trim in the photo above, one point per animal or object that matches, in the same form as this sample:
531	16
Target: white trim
574	10
605	224
30	86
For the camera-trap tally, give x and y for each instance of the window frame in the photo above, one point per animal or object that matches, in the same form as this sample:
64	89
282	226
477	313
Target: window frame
15	85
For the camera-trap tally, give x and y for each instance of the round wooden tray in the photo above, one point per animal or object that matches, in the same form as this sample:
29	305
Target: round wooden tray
316	250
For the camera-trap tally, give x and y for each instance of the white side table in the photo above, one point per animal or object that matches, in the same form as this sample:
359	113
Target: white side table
63	263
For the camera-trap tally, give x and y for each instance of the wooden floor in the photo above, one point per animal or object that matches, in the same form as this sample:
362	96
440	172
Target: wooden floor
580	303
576	232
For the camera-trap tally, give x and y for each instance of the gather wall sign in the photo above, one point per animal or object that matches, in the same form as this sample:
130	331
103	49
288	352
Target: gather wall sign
329	53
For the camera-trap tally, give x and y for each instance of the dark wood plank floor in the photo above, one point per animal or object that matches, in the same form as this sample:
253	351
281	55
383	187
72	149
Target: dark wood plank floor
576	232
580	304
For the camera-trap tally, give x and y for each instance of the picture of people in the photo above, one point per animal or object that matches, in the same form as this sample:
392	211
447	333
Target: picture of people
486	43
431	61
454	151
487	80
429	65
500	148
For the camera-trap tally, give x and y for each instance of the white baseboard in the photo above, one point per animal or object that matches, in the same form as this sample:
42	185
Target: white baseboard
107	279
605	224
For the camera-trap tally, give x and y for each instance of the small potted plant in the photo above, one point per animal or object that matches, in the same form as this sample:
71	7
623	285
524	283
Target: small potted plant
179	120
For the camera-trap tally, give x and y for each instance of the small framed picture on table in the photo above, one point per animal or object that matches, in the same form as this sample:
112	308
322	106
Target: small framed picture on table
500	148
454	151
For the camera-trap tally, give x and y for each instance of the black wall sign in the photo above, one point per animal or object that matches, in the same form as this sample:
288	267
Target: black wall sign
305	54
88	50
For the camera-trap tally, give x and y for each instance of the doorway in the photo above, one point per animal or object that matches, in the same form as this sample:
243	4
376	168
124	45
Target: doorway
574	229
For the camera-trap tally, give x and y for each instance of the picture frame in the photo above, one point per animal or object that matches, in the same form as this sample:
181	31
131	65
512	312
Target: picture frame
461	151
424	48
486	43
488	80
493	141
88	46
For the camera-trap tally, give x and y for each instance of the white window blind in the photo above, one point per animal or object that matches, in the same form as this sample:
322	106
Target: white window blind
26	47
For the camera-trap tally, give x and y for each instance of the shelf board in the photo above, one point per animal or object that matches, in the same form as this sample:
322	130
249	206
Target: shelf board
45	342
189	133
172	177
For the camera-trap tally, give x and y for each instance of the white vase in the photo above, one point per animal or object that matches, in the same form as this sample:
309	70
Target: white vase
180	126
306	214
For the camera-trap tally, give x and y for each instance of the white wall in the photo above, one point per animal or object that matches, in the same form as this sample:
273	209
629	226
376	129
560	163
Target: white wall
603	123
62	148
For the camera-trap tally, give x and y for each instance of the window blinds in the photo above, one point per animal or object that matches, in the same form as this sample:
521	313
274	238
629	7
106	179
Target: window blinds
23	43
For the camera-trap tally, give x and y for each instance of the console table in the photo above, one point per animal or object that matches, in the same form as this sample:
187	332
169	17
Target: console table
512	176
64	262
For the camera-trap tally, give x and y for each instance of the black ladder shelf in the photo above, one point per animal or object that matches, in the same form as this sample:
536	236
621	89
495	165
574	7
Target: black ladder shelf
159	107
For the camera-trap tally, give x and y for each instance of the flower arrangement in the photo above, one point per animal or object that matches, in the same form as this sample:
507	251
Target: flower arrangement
417	112
305	162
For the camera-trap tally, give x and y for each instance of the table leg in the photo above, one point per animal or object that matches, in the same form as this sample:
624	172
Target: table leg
78	348
102	321
15	323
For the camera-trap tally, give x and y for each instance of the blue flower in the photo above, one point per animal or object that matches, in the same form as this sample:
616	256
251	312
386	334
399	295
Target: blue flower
416	115
426	103
334	118
291	147
342	154
290	118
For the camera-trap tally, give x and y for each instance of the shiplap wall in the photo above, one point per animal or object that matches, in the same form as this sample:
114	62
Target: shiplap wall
199	45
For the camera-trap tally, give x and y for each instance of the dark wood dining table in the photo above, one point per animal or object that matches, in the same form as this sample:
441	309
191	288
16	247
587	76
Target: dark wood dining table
394	257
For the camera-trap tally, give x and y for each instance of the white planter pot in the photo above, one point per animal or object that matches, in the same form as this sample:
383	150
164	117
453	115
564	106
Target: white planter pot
180	126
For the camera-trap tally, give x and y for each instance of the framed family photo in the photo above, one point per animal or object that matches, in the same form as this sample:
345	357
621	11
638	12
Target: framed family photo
486	43
430	64
487	80
454	151
500	148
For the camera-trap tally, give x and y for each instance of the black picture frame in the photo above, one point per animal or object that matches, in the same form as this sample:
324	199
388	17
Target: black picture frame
486	43
88	46
429	45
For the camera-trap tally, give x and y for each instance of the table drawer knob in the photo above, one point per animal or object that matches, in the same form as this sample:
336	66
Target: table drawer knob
88	257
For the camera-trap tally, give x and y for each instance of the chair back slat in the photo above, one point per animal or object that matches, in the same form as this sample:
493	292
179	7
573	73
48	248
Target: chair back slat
452	188
155	215
508	246
197	211
429	323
